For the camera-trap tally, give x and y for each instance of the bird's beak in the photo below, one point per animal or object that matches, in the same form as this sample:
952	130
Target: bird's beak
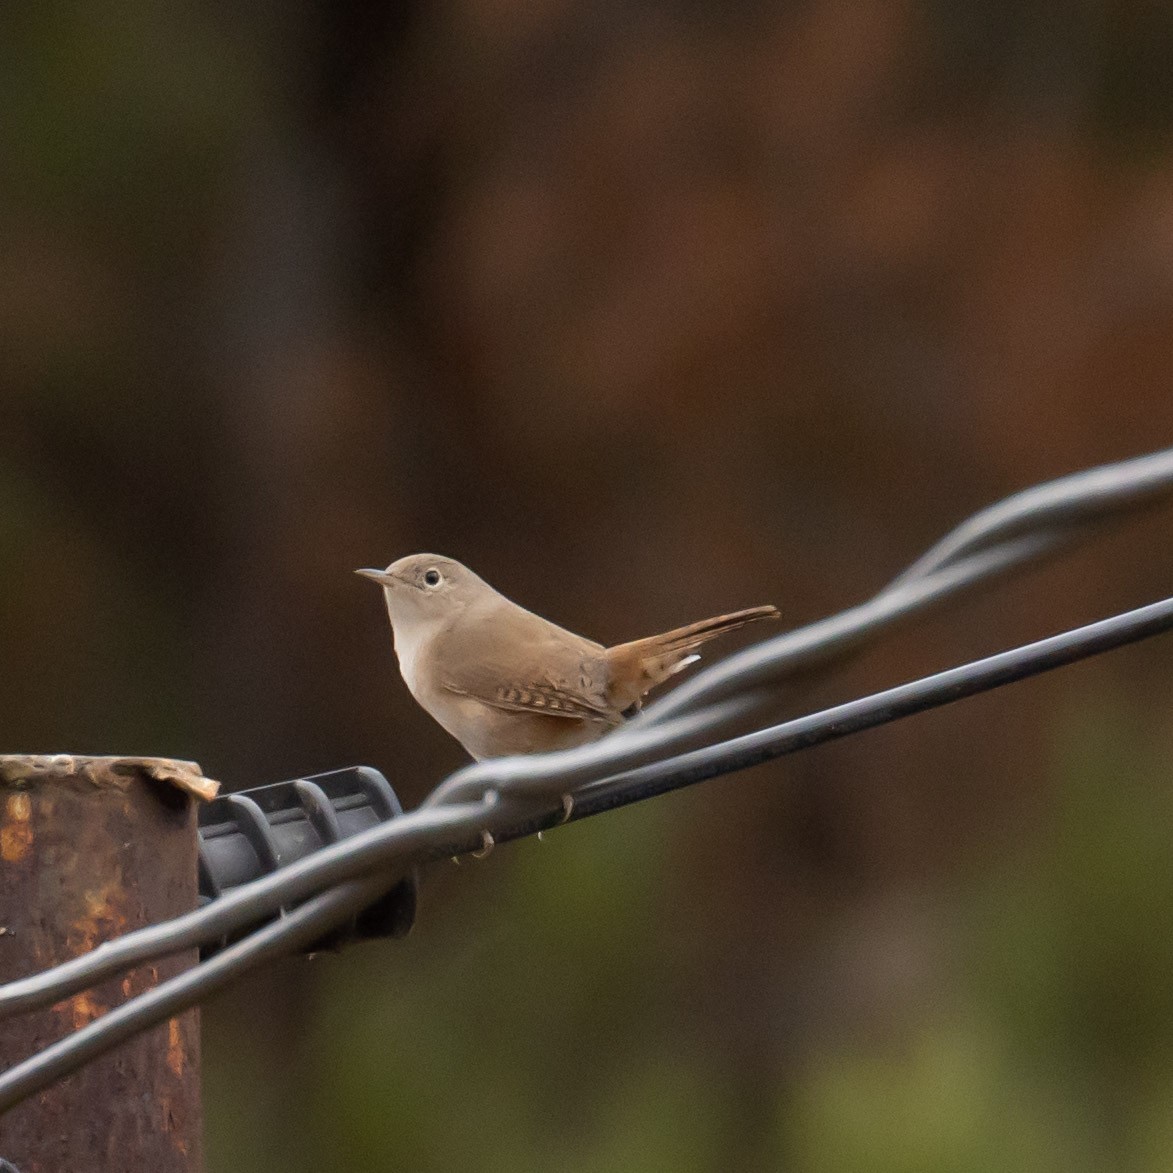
379	576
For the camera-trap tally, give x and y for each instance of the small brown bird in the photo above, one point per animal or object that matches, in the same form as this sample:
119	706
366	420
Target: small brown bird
503	680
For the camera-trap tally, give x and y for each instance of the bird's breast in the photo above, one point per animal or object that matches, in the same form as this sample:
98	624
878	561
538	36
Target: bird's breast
409	650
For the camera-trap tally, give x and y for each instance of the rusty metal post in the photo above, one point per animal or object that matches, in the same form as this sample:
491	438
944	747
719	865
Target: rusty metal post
91	848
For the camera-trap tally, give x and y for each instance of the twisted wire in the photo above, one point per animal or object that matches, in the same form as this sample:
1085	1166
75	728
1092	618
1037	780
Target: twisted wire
511	797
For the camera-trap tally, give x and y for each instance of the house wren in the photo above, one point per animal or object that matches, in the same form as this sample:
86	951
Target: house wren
503	680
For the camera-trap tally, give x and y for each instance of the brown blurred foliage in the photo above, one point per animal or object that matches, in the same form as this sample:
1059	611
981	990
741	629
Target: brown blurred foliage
644	311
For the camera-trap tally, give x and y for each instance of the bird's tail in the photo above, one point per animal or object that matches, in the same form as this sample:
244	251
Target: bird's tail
637	667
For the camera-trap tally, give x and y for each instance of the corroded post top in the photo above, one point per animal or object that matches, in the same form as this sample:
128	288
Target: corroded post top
91	849
22	771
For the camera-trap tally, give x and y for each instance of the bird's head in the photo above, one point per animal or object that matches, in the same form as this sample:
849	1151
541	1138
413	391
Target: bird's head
425	588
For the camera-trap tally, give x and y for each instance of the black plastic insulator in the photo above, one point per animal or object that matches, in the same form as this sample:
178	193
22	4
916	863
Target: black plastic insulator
253	833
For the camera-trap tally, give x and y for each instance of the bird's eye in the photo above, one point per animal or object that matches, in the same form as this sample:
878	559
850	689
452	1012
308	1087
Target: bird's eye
432	578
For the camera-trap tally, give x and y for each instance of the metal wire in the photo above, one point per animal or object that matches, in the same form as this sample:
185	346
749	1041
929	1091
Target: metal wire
417	835
515	796
1081	497
1020	529
930	692
391	842
961	559
301	927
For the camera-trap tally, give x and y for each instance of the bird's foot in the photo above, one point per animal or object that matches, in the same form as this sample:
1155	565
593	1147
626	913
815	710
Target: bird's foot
567	807
487	842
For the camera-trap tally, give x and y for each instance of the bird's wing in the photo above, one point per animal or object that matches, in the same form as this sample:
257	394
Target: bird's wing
504	673
534	698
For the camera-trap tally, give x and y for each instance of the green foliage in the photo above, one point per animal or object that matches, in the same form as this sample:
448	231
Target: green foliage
1057	1047
503	1041
527	1029
1074	949
117	107
951	1099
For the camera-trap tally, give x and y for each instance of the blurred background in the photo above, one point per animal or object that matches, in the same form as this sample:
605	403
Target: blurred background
644	311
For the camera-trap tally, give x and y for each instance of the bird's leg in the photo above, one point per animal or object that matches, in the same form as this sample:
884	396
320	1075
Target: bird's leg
489	798
568	805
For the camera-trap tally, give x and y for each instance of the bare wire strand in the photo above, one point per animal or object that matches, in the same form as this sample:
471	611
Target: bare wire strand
1018	530
431	832
961	559
511	797
327	909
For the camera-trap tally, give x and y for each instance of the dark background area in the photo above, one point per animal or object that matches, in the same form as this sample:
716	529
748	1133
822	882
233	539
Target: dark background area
644	311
